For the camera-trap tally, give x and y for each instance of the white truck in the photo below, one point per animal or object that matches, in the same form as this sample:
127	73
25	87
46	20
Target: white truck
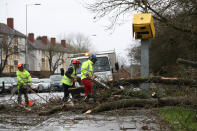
104	66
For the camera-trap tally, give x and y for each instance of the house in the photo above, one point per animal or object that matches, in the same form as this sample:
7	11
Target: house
40	52
37	56
15	40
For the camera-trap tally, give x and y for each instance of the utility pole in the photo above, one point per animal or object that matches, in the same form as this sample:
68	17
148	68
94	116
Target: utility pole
143	28
26	38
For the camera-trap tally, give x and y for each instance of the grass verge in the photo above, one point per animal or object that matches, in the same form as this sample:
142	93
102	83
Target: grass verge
180	118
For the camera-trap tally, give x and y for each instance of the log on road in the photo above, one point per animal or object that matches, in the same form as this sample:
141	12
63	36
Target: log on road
167	101
55	109
187	62
155	79
173	101
124	103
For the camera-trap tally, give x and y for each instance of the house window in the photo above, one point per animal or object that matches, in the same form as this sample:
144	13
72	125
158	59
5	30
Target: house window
43	60
15	48
15	68
15	62
15	41
11	68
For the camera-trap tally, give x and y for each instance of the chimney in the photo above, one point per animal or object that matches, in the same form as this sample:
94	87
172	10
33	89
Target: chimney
44	39
31	37
10	22
53	40
63	43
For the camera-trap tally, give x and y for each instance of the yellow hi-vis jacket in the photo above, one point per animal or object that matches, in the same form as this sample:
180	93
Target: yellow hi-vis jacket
23	77
66	80
86	69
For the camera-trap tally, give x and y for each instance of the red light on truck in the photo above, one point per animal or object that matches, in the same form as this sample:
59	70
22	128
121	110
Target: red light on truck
87	54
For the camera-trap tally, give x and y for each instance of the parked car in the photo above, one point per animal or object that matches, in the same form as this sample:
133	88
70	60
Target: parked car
1	87
56	84
9	83
36	85
15	79
46	84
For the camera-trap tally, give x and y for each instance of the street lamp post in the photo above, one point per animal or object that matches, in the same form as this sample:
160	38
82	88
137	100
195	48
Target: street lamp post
26	48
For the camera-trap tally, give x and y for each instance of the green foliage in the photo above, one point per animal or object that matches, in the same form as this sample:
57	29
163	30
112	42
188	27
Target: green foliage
104	94
174	91
181	119
136	93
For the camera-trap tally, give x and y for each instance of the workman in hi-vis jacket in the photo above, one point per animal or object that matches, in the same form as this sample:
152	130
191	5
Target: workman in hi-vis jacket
69	78
23	81
87	75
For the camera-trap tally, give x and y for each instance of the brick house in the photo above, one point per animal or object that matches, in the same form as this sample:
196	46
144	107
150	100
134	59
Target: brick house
38	53
16	40
37	50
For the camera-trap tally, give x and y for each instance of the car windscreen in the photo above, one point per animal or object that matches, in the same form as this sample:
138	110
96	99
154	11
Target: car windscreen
35	80
6	80
101	65
56	78
45	80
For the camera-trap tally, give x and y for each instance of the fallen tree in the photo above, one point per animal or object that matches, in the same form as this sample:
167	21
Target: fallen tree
167	101
187	62
64	107
154	79
123	103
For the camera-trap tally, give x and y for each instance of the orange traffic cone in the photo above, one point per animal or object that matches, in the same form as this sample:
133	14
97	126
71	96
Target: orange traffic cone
31	102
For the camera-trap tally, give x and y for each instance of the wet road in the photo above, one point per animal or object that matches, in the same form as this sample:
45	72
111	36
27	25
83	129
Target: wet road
68	121
11	99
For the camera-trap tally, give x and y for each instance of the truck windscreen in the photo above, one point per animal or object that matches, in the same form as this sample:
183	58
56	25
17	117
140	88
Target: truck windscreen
101	65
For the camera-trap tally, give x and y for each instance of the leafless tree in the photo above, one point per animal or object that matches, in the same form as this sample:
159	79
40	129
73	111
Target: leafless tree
54	54
8	48
162	10
134	53
78	43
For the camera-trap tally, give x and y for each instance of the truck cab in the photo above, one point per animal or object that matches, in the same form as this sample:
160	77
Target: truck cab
102	68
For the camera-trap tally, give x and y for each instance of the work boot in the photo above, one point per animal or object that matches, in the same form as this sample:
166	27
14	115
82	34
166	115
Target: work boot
26	100
94	97
65	99
19	100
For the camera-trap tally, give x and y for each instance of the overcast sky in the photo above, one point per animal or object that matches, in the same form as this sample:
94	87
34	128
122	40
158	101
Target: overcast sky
56	18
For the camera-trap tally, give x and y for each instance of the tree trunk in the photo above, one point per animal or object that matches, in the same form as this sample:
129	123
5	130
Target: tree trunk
167	101
155	79
186	62
125	103
55	109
